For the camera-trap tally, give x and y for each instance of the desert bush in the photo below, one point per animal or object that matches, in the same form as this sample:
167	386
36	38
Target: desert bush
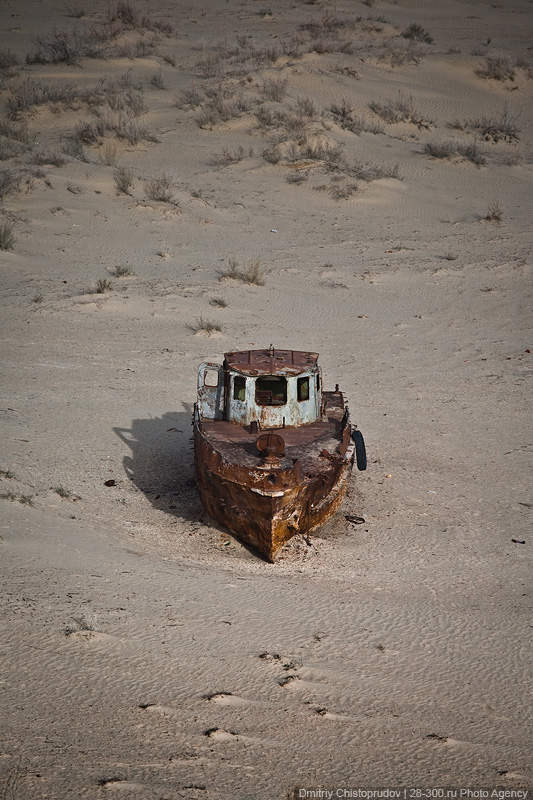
73	147
85	623
24	499
228	156
498	68
398	53
274	89
160	188
450	148
297	177
318	151
221	109
325	25
306	107
232	271
206	326
343	114
401	109
501	128
8	59
254	273
494	212
127	13
64	47
109	153
9	148
211	65
207	117
7	238
49	157
157	80
218	301
31	93
122	271
9	181
417	33
15	138
122	124
190	97
513	159
123	179
337	189
103	285
366	171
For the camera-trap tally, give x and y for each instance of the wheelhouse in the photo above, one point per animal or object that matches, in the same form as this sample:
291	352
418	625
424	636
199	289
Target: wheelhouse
264	388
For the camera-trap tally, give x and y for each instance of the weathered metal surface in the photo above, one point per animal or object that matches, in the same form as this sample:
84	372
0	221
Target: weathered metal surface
271	361
266	498
210	391
273	453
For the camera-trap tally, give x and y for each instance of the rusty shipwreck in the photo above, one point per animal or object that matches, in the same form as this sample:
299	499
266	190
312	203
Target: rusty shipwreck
273	450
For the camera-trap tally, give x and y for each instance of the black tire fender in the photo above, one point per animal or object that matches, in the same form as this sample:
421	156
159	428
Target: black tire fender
360	450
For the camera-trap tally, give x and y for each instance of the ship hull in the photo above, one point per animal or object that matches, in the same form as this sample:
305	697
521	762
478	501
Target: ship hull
260	515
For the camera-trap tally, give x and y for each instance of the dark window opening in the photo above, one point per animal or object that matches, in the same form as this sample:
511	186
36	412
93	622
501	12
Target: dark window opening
271	391
239	388
318	383
303	389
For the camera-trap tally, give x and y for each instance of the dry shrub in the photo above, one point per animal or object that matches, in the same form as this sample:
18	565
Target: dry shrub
8	59
306	107
228	156
65	47
109	153
211	65
399	53
343	114
417	33
366	171
498	68
501	128
191	97
32	93
401	109
494	212
206	326
9	182
450	148
123	125
123	180
274	89
103	285
254	273
49	157
160	188
7	239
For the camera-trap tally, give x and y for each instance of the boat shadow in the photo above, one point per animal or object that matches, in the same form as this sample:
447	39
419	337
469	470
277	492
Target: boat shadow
161	464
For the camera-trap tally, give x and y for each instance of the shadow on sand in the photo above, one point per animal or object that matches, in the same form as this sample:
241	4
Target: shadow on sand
161	464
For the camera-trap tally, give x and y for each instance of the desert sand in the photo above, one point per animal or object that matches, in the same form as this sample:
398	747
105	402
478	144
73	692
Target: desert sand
180	180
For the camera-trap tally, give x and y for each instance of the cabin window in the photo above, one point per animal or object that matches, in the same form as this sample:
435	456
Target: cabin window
271	391
211	377
239	388
303	388
318	383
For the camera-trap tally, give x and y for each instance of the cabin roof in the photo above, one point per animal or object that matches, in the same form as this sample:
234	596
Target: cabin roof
271	361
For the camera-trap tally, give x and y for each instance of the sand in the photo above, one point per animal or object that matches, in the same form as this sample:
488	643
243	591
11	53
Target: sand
146	653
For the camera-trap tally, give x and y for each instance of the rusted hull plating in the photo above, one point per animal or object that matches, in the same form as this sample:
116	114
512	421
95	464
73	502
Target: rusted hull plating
263	512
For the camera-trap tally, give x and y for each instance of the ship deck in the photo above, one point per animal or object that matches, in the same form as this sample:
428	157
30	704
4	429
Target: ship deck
305	444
